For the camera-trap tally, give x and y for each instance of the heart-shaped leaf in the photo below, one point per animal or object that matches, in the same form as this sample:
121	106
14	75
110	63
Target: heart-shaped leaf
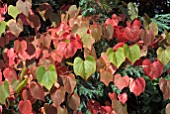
15	27
117	58
57	95
13	11
123	98
106	76
132	52
163	55
24	6
37	91
153	70
2	27
84	68
46	77
4	91
121	82
137	86
69	82
25	107
73	101
165	88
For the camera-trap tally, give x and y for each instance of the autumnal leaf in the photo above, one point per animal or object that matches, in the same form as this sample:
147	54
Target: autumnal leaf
121	82
61	110
2	27
25	107
108	32
5	91
132	31
3	10
137	86
86	38
24	6
58	95
153	26
69	82
34	22
113	21
15	27
163	55
117	57
165	88
118	107
13	11
26	95
123	98
147	36
84	68
73	11
168	108
46	77
10	74
49	109
106	76
153	70
91	52
1	109
132	52
73	101
96	32
45	10
37	91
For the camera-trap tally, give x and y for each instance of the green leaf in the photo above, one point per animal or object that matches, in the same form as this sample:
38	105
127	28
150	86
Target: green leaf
46	77
4	91
84	68
163	55
87	39
132	10
13	11
117	58
18	85
2	27
132	52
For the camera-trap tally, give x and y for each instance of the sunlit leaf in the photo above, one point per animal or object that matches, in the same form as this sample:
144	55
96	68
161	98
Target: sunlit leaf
84	68
117	57
132	10
13	11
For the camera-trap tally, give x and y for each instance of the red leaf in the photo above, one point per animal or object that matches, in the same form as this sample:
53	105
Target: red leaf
137	86
119	34
112	95
121	82
0	76
37	91
25	107
58	95
168	108
61	110
123	97
10	74
107	109
121	44
93	106
132	31
3	10
69	82
152	70
73	101
9	57
114	21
